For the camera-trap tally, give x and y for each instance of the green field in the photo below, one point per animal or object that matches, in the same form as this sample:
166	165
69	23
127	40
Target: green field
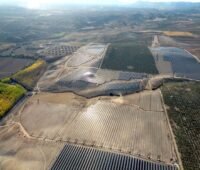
9	95
129	57
30	75
183	100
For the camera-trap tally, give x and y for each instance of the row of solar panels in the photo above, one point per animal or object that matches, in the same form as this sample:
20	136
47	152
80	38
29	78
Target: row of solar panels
77	158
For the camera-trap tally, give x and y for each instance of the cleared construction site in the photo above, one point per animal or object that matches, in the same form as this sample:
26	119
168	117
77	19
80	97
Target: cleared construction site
138	128
111	86
79	108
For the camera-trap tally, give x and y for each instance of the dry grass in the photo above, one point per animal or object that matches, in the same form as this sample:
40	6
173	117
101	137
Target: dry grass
178	34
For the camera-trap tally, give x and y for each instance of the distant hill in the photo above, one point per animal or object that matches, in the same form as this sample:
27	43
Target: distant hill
138	4
165	5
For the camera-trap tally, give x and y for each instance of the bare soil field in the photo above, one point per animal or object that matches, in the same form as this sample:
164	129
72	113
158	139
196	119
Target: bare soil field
9	66
49	113
21	153
138	120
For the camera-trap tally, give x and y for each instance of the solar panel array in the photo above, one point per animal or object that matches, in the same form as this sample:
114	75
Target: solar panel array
91	82
131	75
122	128
77	157
183	64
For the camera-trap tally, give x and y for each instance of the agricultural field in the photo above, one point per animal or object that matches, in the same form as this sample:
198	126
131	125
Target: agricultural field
20	152
99	105
178	34
29	76
9	65
9	95
129	57
138	120
59	108
183	106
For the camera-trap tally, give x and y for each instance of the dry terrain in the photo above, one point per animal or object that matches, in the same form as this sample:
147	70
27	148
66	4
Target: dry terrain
111	117
22	153
93	122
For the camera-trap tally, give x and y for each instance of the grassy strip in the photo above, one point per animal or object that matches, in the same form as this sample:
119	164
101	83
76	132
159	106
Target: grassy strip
183	100
9	95
129	57
30	75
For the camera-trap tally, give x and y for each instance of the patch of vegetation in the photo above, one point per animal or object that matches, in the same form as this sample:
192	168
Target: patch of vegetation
183	100
9	95
30	75
6	80
129	57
